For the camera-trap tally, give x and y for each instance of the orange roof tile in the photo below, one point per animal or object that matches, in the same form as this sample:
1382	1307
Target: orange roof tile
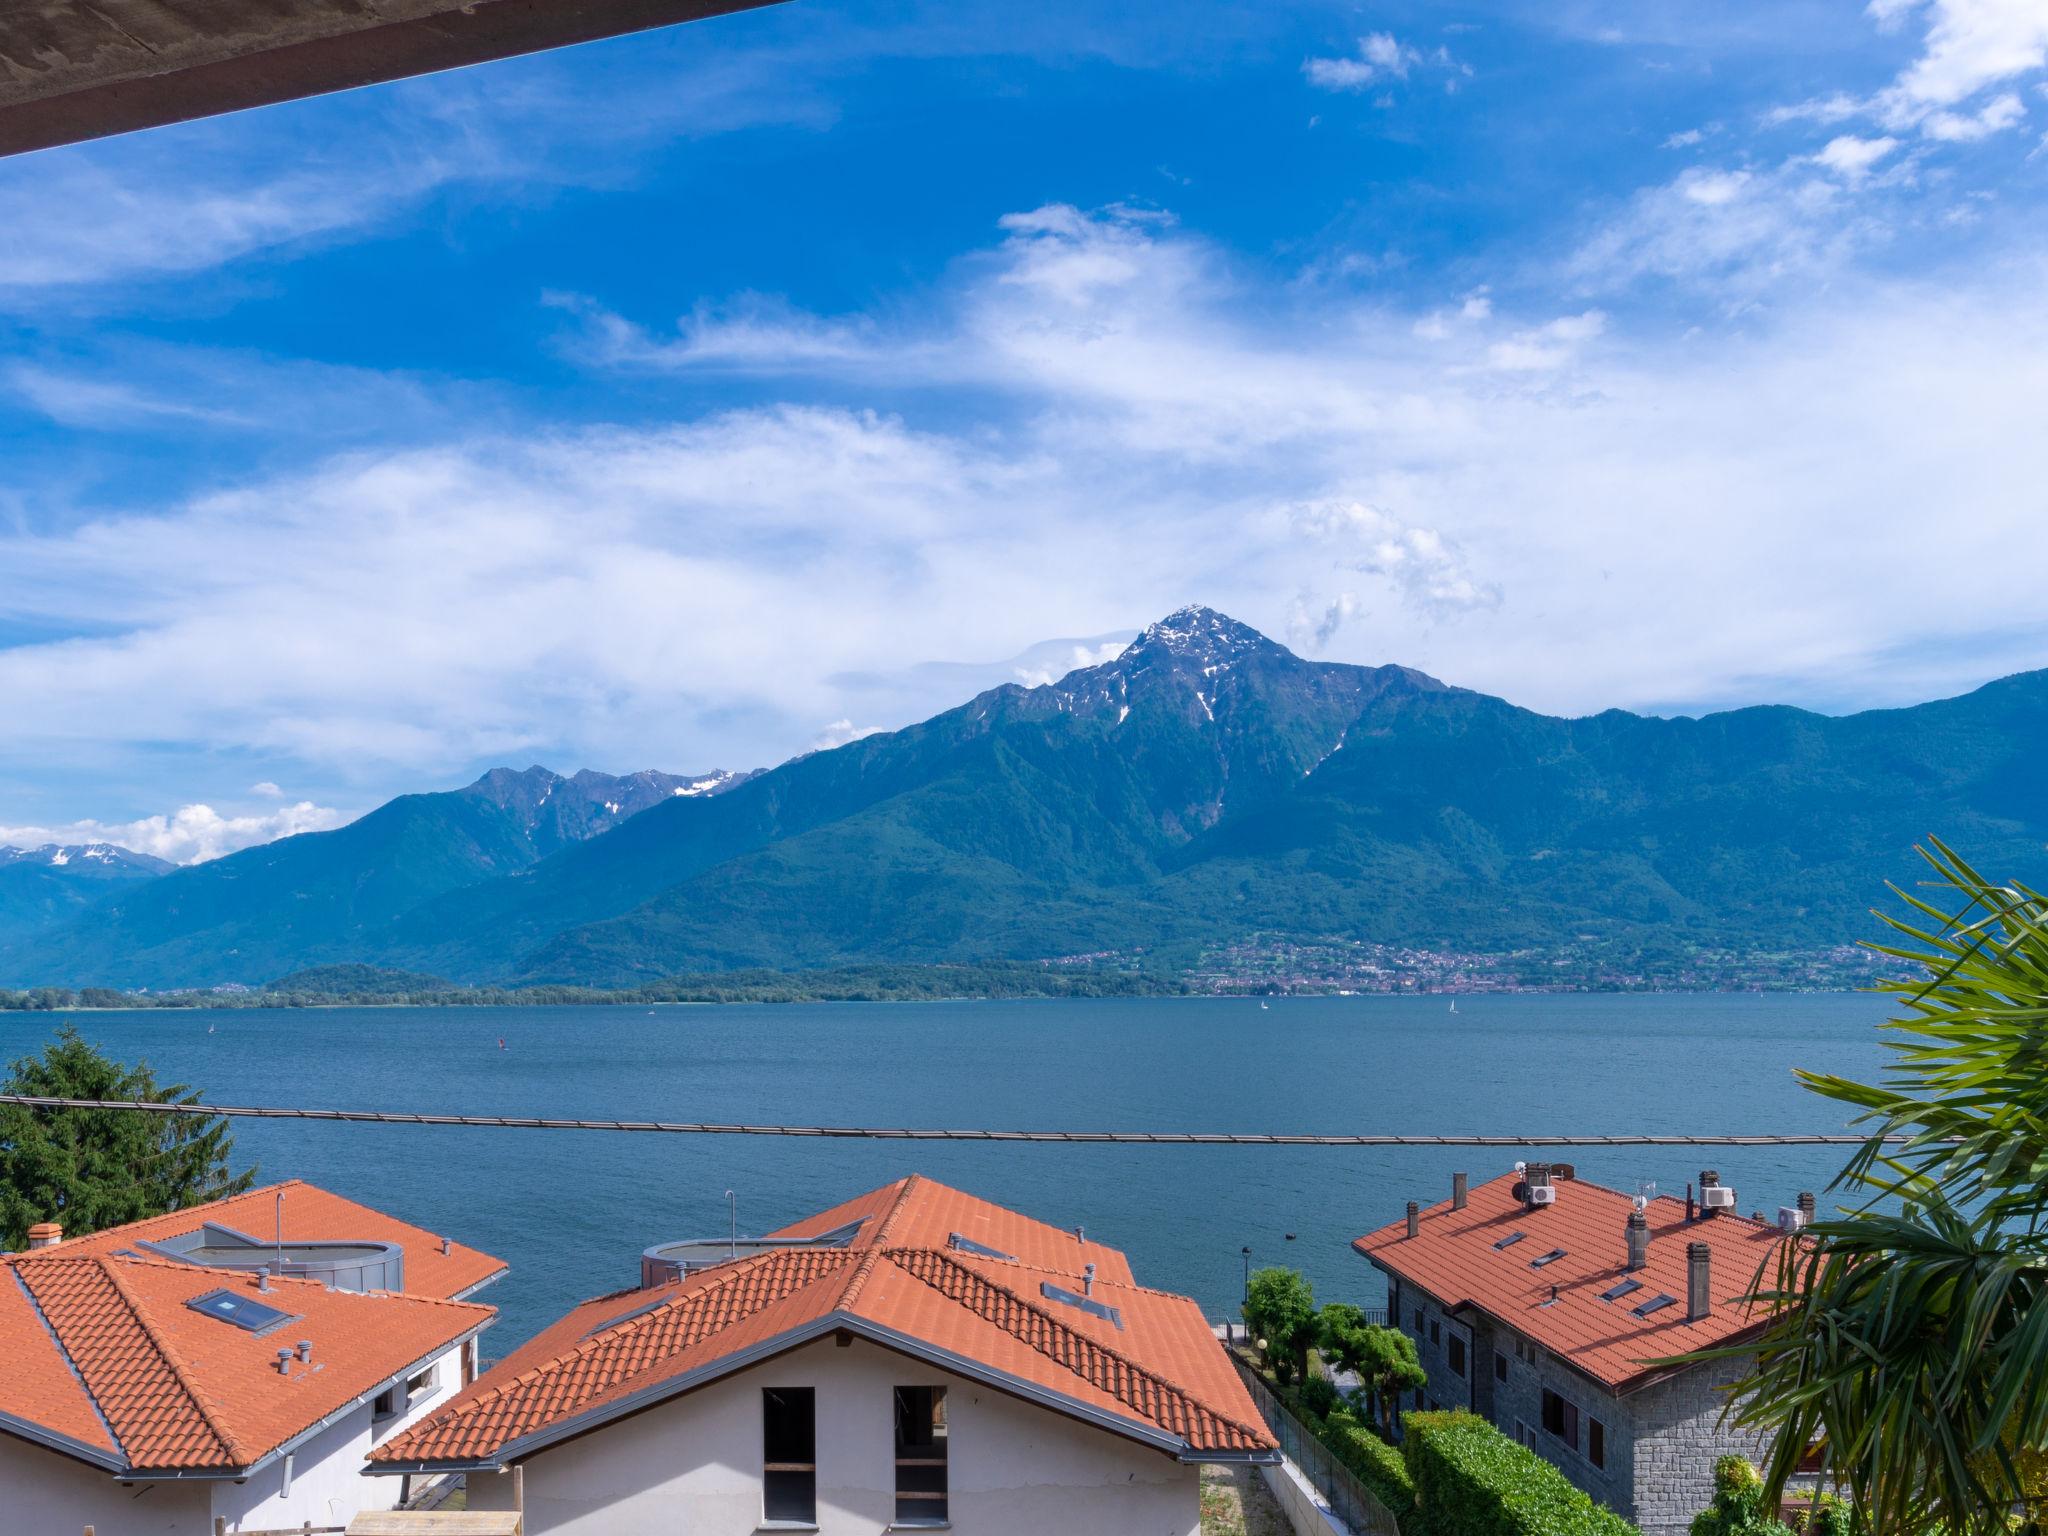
107	1359
1161	1375
1453	1258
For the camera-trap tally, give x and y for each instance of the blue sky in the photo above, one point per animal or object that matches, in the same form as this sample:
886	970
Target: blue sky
696	398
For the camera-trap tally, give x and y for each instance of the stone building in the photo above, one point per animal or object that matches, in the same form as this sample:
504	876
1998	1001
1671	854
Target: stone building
1540	1302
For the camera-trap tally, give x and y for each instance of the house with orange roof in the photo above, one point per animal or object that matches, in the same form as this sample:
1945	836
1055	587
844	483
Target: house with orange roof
225	1366
915	1358
1542	1302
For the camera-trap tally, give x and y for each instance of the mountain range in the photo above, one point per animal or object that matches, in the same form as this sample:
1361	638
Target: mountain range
1204	788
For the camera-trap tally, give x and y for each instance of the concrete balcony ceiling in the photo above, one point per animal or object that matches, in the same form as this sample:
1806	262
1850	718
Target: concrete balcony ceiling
83	69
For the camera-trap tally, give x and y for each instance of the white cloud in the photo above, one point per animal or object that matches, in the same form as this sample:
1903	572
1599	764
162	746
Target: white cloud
1633	522
2001	112
840	732
1380	57
1852	158
188	835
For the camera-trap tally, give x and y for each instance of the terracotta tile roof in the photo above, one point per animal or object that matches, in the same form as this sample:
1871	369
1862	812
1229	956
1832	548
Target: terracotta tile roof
103	1350
1453	1258
1162	1373
312	1214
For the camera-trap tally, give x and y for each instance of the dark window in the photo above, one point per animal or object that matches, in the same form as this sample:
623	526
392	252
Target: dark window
789	1454
1418	1322
1549	1258
1500	1366
1596	1442
1457	1355
1436	1332
1509	1241
1655	1304
920	1455
1561	1418
979	1250
385	1404
1625	1288
243	1312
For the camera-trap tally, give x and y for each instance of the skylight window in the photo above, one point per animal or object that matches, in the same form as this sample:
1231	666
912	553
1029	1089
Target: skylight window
1547	1258
1087	1304
980	1250
243	1312
1509	1241
1616	1292
1656	1304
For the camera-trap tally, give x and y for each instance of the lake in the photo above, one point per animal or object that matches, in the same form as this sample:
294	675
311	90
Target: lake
571	1211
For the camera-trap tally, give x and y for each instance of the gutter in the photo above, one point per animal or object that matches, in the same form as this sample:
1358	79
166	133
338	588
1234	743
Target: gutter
64	1445
287	1447
524	1446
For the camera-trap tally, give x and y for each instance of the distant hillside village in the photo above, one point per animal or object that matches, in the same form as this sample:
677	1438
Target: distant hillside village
284	1359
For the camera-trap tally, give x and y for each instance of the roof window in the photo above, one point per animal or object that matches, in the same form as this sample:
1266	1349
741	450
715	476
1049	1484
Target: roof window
979	1250
1509	1241
1616	1292
1656	1303
1546	1258
1087	1304
241	1311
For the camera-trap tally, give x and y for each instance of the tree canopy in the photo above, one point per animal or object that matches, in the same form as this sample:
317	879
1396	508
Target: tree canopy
94	1168
1280	1309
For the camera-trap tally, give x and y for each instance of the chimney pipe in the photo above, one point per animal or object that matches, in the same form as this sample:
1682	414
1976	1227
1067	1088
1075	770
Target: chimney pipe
1638	1238
1414	1219
1087	1279
284	1362
45	1234
1699	1300
1688	1203
1458	1191
1806	1204
306	1350
1080	1236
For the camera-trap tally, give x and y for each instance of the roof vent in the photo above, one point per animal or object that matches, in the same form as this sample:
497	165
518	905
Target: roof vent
284	1362
1414	1219
1699	1299
979	1250
1637	1235
1087	1279
1459	1191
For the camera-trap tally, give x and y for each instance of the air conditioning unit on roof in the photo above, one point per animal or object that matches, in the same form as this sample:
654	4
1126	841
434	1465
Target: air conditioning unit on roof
1717	1197
1543	1194
1791	1219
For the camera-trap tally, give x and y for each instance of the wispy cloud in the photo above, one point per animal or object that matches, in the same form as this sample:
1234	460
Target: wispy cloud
1380	57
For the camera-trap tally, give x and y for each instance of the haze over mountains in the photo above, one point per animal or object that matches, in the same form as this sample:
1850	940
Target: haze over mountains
1203	787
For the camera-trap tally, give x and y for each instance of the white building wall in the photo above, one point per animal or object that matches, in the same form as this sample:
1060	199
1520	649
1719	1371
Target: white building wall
43	1493
693	1464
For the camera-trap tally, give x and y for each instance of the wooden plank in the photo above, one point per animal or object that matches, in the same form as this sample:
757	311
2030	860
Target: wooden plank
436	1522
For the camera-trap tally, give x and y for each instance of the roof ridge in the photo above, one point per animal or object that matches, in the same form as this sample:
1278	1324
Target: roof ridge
896	1208
226	1276
1043	1269
606	1333
231	1447
99	1410
1067	1330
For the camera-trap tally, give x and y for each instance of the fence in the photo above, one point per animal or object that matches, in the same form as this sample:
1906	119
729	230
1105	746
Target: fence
1349	1499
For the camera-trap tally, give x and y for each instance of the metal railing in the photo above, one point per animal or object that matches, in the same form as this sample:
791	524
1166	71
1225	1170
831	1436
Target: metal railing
1349	1498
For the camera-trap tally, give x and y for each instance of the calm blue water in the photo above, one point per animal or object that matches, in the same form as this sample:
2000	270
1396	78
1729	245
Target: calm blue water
571	1211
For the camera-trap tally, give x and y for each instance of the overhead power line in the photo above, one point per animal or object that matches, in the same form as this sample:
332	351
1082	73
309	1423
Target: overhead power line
909	1133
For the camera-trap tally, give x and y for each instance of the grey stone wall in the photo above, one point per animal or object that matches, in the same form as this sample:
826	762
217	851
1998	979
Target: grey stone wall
1447	1388
1678	1436
1518	1412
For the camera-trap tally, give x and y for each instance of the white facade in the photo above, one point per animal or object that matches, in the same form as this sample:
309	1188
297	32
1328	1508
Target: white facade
45	1493
693	1464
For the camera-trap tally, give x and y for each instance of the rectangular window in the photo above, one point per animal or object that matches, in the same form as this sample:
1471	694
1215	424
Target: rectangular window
420	1383
1436	1332
384	1405
789	1455
1561	1418
1500	1366
1457	1355
920	1456
1596	1442
1418	1322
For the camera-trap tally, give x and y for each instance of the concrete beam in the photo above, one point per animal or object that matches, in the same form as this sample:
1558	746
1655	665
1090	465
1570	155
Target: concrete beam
83	69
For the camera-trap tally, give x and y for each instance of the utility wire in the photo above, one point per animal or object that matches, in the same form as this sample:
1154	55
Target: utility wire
904	1133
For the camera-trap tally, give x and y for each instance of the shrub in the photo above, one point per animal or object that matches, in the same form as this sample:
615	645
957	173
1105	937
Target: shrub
1318	1395
1375	1463
1472	1480
1280	1309
1737	1509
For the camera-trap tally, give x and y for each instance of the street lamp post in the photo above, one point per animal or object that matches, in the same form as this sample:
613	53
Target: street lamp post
1247	1252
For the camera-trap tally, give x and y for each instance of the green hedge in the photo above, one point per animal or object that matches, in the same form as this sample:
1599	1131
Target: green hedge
1472	1480
1376	1464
